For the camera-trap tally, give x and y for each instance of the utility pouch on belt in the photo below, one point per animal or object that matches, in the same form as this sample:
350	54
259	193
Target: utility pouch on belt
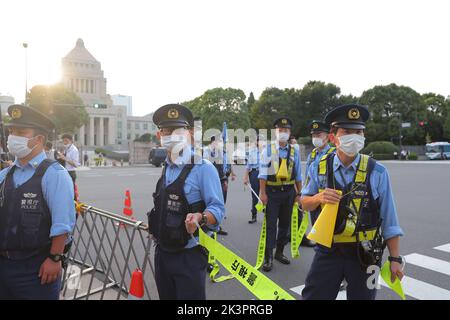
370	252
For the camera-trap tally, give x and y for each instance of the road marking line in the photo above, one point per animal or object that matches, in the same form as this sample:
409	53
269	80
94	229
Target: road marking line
342	295
126	175
429	263
445	247
298	290
421	290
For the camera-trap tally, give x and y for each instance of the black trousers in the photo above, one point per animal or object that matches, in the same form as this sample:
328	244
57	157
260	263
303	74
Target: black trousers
330	267
181	275
73	175
279	209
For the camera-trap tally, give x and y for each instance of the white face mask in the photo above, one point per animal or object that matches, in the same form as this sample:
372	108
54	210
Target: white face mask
283	136
318	142
174	141
351	144
18	146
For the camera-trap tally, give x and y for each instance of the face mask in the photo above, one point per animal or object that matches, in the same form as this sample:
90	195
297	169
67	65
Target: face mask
351	144
174	140
283	136
318	142
18	146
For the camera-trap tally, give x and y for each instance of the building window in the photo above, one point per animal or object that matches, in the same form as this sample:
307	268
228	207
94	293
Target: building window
71	84
92	86
77	85
145	126
87	86
119	124
129	125
120	135
137	136
82	85
128	136
137	126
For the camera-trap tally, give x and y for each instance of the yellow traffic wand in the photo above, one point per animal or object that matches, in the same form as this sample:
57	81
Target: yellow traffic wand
282	171
323	230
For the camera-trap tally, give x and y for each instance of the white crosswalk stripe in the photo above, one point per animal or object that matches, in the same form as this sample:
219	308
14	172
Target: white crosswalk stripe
421	290
412	287
428	263
445	247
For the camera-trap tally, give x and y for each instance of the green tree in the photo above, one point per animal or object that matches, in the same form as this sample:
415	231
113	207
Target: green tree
62	105
400	102
220	105
447	127
147	137
251	100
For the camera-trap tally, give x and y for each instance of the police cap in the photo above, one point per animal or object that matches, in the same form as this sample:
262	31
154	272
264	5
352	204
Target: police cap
319	126
350	116
173	115
27	117
283	122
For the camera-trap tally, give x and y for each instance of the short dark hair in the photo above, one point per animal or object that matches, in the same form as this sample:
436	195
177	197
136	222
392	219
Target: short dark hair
67	136
49	145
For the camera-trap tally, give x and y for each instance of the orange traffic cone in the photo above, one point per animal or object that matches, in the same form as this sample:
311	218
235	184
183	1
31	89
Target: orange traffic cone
127	210
136	286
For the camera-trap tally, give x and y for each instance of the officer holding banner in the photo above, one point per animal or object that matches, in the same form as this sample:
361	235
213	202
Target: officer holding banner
37	212
280	179
366	213
319	134
188	193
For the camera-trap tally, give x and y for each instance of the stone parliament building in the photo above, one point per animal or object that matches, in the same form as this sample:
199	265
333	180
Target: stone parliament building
110	124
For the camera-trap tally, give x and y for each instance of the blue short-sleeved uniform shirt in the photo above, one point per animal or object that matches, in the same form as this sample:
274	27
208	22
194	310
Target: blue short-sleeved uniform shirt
57	188
202	183
253	159
319	154
381	191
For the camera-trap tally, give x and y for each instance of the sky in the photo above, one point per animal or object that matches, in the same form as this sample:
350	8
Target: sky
169	51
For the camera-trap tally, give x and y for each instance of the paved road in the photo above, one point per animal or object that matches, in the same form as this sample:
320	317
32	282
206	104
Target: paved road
421	189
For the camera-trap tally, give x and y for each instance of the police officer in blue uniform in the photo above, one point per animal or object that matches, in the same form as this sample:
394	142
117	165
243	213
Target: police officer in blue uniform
188	192
367	217
252	172
319	134
279	192
37	212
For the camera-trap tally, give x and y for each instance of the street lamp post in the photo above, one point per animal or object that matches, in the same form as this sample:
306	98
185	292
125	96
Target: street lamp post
25	45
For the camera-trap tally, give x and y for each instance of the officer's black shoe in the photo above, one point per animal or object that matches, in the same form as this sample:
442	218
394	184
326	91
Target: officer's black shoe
222	232
268	261
253	220
280	256
307	243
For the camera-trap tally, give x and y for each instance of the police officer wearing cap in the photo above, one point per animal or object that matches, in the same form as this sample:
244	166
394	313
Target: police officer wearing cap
367	217
280	182
319	134
252	172
188	193
37	212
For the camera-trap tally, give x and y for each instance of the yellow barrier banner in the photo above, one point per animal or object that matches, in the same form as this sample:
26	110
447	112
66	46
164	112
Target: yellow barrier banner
396	286
297	233
257	283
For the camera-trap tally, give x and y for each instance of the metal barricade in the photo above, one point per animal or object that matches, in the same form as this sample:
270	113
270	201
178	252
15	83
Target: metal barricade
106	249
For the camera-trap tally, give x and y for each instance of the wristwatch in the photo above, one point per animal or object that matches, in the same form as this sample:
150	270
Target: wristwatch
398	259
56	257
204	219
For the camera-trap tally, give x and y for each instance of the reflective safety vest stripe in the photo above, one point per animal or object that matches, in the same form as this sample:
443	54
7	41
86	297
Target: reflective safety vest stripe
348	235
276	164
314	153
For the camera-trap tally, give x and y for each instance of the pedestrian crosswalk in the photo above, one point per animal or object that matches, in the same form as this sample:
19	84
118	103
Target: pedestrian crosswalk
415	288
